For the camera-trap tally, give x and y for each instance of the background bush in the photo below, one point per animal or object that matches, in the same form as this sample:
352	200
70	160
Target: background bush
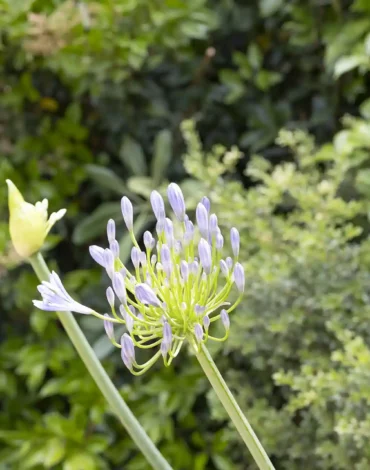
92	98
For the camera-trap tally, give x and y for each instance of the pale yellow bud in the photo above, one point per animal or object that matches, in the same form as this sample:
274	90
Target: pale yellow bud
28	223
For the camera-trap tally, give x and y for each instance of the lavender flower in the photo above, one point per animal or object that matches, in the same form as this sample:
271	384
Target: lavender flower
157	203
239	277
175	291
146	295
111	230
235	241
108	326
202	220
97	254
206	203
56	299
176	200
225	319
205	255
127	212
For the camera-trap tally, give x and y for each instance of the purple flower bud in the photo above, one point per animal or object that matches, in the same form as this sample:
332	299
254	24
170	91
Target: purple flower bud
143	259
111	230
160	225
157	203
206	322
189	232
168	230
225	319
239	277
166	260
206	203
97	254
178	247
176	200
198	331
213	226
224	268
235	241
199	310
184	269
127	212
193	267
229	262
205	255
114	247
219	241
148	240
128	350
128	318
135	256
109	262
153	259
146	295
165	347
119	287
167	333
110	297
202	220
108	326
123	271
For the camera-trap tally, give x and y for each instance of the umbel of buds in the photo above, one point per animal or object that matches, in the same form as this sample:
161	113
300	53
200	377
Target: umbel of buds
178	288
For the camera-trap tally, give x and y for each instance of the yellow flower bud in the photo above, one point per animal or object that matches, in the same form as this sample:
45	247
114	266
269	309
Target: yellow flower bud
28	223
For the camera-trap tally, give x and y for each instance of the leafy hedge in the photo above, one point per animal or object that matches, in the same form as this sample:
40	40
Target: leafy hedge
92	98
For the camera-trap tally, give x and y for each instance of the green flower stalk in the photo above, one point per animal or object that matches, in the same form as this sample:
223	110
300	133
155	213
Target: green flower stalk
179	288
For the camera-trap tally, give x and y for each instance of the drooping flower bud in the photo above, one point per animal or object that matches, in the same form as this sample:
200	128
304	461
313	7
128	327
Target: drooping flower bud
114	247
97	254
239	277
119	287
108	326
28	223
110	297
146	295
109	262
225	319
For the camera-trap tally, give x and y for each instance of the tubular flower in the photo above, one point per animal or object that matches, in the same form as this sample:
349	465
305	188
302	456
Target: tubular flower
29	223
179	286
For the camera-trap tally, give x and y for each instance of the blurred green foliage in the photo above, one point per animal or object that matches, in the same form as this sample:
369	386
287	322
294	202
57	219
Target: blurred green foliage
92	98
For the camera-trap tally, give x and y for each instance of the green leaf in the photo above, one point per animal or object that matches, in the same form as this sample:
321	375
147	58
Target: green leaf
94	224
140	185
80	461
54	452
106	178
269	7
348	63
132	155
162	156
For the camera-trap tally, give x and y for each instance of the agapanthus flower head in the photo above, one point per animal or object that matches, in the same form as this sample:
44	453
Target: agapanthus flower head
29	223
178	287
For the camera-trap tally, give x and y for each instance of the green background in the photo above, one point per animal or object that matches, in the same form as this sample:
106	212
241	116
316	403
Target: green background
106	98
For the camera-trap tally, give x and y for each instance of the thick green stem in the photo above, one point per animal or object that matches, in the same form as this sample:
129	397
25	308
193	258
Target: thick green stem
93	365
236	415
